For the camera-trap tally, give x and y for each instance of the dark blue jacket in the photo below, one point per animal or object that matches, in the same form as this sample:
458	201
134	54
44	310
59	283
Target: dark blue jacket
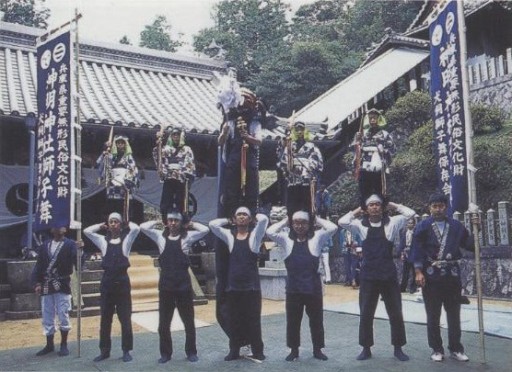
63	267
425	244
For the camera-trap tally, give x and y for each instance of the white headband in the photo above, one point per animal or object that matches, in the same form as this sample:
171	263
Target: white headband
175	215
301	215
115	216
373	199
243	210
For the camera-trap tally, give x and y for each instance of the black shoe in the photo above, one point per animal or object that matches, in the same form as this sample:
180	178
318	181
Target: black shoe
164	359
259	356
464	300
233	355
366	353
64	351
319	355
400	355
101	357
192	358
127	357
46	350
294	354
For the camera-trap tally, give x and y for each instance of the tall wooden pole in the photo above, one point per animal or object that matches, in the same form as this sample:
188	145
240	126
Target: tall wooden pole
473	208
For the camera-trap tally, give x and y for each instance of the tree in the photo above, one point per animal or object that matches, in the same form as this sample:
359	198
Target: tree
249	30
25	12
125	40
365	22
156	36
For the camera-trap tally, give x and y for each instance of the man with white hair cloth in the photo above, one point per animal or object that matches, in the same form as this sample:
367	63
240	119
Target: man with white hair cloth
301	247
378	275
175	286
51	277
435	252
115	288
243	282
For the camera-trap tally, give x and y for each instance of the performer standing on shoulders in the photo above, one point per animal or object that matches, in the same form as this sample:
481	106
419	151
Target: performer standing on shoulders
175	287
302	163
115	288
241	138
243	282
119	172
378	275
377	148
301	248
435	253
51	278
177	171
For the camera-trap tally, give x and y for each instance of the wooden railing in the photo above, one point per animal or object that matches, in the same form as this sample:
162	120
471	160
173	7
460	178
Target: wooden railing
491	68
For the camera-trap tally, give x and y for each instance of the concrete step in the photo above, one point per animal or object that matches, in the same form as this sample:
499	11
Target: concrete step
5	290
18	315
5	304
144	295
91	275
142	282
90	287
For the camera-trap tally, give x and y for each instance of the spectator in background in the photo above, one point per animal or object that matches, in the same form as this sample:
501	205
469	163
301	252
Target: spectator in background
348	243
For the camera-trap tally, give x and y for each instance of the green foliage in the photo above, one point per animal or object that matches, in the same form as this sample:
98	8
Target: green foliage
125	40
156	36
290	79
249	30
410	112
345	195
25	12
486	118
366	21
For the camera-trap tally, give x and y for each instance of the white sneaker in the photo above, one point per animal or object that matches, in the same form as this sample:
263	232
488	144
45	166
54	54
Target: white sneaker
461	357
437	357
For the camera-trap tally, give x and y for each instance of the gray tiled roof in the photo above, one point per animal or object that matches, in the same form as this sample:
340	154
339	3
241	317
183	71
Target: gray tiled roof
119	84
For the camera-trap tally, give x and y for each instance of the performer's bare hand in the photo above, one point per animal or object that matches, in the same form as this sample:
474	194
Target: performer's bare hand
420	278
37	289
392	206
358	212
79	243
358	136
104	227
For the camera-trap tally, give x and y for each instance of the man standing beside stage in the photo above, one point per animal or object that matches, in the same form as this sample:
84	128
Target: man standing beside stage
302	163
435	253
177	169
378	275
51	278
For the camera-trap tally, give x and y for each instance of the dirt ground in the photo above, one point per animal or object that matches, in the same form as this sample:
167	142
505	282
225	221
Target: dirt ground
26	333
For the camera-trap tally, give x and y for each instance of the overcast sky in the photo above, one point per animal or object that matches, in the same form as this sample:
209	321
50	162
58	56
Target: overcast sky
109	20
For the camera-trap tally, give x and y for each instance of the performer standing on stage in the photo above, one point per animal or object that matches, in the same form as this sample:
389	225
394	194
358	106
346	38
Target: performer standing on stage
378	276
175	286
301	248
118	171
376	149
243	282
302	163
240	138
51	278
435	253
115	288
177	170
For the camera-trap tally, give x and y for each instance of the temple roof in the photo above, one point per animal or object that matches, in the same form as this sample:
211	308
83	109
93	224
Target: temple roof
119	84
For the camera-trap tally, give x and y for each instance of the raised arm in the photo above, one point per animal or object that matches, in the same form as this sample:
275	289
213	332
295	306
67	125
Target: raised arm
349	221
221	232
148	228
198	231
258	233
97	239
279	235
130	238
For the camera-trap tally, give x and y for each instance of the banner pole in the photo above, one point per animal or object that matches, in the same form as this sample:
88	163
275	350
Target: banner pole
78	173
473	208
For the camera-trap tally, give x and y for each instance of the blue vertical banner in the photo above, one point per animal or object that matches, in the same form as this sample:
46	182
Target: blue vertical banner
448	107
55	134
